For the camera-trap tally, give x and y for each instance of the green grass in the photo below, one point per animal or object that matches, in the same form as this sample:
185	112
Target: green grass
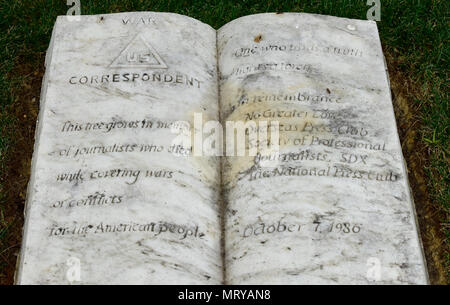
415	33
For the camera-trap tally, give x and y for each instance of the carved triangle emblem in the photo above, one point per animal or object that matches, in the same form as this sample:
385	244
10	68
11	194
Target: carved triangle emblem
138	53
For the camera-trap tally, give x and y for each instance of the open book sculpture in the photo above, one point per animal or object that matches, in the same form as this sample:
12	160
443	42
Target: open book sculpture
134	179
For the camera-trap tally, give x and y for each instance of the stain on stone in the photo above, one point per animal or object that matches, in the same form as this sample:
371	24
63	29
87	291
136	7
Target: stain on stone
258	38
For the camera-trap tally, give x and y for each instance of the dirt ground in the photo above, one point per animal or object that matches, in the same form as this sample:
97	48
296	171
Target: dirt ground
25	110
429	214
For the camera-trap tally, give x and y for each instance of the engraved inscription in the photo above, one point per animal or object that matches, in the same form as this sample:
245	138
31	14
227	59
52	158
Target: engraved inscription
139	53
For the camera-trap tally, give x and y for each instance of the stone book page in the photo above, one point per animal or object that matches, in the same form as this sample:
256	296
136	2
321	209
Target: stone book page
334	205
112	199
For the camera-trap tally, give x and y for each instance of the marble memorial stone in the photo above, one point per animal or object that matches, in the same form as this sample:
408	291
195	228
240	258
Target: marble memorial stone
112	199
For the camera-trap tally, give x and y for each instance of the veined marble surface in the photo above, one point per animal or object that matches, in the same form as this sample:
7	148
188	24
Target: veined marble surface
108	202
334	207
